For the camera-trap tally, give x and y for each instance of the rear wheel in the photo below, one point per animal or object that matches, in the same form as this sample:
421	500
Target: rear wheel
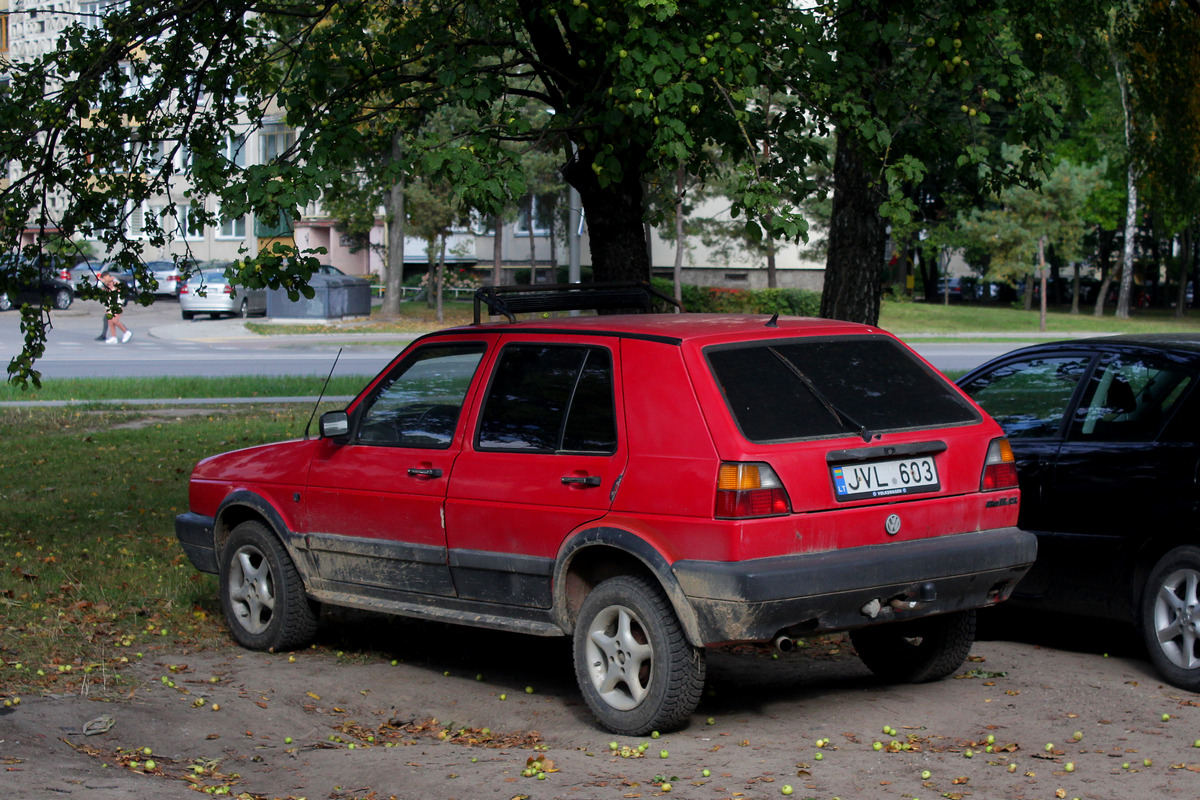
63	299
634	665
919	650
262	594
1170	617
5	303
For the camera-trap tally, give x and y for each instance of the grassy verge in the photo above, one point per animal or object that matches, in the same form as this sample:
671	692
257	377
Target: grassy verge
900	318
959	318
415	318
91	576
166	388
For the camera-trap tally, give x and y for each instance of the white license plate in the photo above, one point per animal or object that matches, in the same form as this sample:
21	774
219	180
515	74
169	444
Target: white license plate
886	478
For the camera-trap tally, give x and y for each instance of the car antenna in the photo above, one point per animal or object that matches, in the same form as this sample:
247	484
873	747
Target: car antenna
321	396
773	322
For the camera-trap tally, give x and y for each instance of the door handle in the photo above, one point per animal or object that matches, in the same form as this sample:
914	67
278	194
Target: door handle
581	480
424	472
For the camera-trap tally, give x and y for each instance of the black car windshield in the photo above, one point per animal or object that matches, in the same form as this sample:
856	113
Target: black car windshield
802	388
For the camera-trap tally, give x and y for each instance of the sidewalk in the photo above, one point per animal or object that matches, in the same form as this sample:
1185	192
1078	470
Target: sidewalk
233	330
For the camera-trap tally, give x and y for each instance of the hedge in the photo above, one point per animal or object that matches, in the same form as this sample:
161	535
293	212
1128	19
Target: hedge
715	299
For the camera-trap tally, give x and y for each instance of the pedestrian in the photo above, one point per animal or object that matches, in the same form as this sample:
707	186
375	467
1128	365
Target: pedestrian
109	281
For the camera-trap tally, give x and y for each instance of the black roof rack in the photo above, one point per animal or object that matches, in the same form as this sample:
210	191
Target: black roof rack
508	301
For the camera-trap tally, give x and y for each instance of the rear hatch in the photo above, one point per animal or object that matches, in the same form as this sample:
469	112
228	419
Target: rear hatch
847	421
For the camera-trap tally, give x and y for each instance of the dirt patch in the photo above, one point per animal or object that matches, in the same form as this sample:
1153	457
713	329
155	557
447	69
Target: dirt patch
421	710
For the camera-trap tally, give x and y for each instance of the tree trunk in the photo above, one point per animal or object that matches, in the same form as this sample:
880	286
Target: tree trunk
393	271
497	242
1105	239
441	278
1075	290
532	248
1185	269
1042	276
677	271
614	215
857	239
1028	299
1131	204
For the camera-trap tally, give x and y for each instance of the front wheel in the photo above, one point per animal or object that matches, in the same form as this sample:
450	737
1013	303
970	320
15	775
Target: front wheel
919	650
5	303
262	594
63	299
1170	617
635	667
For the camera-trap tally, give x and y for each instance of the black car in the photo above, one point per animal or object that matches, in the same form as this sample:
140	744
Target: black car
22	282
1106	434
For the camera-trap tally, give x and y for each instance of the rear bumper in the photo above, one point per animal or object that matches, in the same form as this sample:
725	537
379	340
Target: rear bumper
195	534
846	589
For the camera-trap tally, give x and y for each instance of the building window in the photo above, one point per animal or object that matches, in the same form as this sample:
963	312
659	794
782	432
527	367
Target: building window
235	150
232	228
272	145
187	225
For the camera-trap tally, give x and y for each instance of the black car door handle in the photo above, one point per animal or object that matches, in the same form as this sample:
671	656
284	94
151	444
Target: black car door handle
581	480
424	472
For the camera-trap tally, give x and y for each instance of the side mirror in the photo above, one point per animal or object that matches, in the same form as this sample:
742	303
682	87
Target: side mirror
335	425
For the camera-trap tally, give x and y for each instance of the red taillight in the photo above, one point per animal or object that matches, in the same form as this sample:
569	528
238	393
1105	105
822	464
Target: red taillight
64	275
228	289
183	289
749	490
999	468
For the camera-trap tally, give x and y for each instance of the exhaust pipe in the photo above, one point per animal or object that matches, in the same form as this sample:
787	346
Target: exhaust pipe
784	644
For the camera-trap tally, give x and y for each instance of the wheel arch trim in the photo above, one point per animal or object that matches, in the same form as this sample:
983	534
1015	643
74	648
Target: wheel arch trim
231	512
630	545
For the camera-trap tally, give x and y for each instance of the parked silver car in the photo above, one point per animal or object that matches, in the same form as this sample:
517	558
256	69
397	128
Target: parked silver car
210	292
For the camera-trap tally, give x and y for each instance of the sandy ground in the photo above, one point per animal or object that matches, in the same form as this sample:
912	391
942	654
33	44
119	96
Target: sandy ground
359	724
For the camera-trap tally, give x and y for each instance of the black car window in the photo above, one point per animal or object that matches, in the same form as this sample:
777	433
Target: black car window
418	404
1029	398
550	398
791	389
1129	399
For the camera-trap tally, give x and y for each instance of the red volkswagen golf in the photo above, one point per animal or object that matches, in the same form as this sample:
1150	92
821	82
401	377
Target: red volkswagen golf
649	485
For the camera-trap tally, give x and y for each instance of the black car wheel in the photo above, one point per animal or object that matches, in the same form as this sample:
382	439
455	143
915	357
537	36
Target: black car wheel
262	594
5	303
634	665
919	650
63	299
244	309
1170	617
187	314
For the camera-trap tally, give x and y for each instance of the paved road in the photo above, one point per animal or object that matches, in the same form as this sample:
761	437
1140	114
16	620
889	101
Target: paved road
164	345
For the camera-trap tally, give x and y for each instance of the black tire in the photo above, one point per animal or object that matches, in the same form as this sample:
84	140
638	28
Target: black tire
63	299
1170	617
919	650
262	594
186	314
626	622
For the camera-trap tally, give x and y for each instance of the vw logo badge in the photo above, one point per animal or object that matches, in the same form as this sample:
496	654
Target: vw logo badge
893	524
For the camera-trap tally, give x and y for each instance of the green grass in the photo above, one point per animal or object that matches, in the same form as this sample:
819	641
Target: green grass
167	388
91	576
960	318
